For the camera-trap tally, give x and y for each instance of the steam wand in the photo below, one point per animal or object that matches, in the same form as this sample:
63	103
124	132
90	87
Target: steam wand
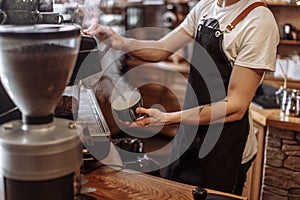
284	76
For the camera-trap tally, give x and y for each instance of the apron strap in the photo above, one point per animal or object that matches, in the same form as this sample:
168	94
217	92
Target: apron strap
243	14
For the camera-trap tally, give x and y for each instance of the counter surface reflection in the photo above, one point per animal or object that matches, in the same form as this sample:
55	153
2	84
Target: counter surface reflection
128	184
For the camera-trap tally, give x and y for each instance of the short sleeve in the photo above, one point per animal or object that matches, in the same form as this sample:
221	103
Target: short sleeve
189	24
258	46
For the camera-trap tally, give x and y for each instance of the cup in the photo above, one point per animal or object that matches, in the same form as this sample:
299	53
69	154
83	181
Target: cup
124	106
289	101
22	17
292	105
287	31
51	18
45	5
29	5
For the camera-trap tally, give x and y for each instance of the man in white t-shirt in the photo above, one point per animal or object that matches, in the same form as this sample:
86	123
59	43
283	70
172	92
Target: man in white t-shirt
231	54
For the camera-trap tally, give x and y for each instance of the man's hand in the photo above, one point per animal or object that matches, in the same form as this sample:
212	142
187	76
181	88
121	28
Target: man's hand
105	34
153	117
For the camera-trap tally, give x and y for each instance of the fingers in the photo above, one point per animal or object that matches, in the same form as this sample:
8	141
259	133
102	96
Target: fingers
90	29
106	35
144	121
153	117
99	31
142	111
141	122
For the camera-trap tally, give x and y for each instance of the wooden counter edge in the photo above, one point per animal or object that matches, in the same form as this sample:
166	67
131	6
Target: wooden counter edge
259	115
274	118
182	185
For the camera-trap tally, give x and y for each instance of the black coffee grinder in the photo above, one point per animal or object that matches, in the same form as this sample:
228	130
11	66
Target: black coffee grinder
39	153
86	55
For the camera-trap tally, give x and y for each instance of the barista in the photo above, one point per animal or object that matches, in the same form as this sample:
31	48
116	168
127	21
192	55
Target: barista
243	49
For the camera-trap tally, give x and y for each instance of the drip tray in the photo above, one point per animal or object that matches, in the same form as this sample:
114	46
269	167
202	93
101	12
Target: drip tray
96	134
90	115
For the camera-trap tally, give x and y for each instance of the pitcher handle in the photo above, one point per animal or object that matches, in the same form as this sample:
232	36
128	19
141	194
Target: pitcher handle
4	16
60	19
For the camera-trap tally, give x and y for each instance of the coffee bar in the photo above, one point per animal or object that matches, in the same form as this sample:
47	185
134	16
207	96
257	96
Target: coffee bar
65	97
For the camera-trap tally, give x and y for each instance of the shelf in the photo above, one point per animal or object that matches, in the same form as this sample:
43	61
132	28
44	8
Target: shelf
276	82
290	42
282	4
271	77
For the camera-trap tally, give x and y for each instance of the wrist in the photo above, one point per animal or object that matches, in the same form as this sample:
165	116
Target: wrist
125	44
173	118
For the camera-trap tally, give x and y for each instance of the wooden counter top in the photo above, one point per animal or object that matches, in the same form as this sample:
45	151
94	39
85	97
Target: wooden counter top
273	117
127	184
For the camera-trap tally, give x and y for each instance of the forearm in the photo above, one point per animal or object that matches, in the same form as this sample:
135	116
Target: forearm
218	112
239	97
148	50
156	50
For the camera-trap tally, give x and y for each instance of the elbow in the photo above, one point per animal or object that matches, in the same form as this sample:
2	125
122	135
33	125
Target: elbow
238	116
159	53
160	56
239	113
153	56
157	58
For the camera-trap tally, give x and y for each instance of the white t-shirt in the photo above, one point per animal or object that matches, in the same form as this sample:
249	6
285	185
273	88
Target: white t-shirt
252	43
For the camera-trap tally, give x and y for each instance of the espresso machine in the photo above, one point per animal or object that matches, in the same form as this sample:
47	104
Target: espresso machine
38	154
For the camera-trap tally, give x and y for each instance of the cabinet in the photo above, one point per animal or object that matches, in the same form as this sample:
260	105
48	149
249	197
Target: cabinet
254	175
278	168
253	185
271	124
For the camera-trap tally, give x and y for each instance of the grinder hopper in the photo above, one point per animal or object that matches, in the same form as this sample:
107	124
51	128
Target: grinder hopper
36	65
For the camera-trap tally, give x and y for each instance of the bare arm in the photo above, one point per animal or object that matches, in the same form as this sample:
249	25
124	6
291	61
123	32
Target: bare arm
243	84
149	50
